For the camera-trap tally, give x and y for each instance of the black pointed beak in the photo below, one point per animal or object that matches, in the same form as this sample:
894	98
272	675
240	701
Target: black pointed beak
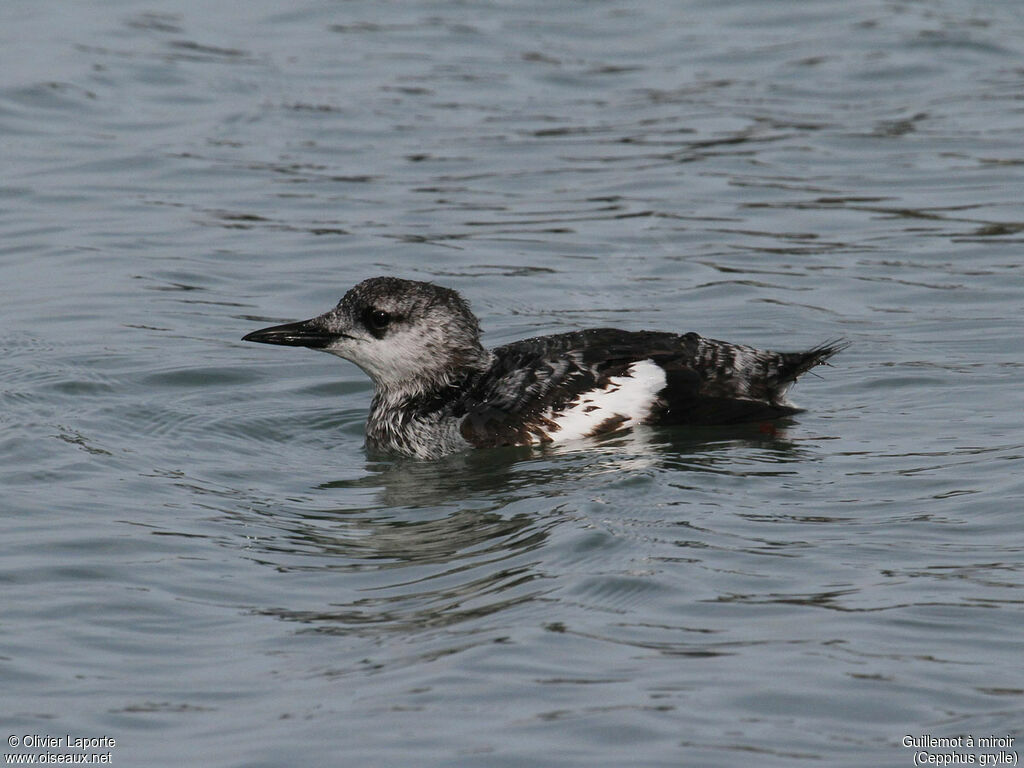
305	333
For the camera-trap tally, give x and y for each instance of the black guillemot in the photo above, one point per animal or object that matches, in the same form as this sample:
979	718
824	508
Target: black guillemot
439	390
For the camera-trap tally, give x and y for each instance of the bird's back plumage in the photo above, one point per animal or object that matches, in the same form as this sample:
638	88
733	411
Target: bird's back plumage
705	382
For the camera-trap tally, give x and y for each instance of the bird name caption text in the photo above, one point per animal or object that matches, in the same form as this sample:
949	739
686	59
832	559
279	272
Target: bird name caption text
967	749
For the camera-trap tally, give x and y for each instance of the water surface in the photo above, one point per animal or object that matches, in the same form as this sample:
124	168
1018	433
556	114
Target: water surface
201	561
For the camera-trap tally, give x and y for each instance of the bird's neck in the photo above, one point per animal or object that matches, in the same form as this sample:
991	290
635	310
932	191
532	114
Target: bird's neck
434	385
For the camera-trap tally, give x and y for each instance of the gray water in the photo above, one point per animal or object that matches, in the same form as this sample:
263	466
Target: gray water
201	562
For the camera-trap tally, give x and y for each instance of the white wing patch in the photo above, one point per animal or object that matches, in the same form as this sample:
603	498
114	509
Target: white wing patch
625	402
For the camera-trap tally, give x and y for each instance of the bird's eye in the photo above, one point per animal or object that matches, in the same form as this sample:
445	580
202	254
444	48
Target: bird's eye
378	319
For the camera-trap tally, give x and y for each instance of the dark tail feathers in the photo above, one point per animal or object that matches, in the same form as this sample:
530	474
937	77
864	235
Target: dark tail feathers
795	363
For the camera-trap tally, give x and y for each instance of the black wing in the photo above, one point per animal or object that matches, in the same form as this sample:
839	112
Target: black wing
707	381
535	378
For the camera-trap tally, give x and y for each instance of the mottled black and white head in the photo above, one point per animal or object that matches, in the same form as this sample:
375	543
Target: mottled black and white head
408	336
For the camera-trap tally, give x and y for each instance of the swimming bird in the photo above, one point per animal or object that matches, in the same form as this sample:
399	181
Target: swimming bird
439	390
